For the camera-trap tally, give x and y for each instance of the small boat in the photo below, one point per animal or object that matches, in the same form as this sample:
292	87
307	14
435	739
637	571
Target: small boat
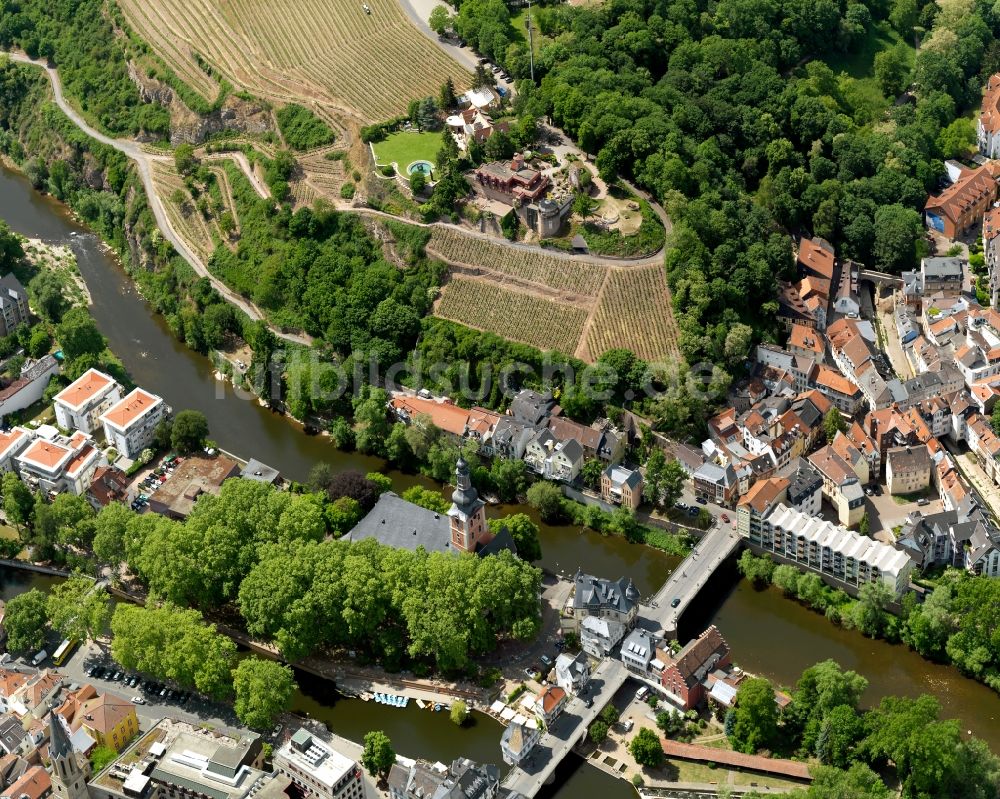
421	704
438	707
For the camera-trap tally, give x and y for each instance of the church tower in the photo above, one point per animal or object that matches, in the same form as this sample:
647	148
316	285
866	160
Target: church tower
468	513
68	779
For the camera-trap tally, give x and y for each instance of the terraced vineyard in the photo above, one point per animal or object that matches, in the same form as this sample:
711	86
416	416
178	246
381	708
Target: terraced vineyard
560	274
186	219
325	176
512	314
325	54
635	312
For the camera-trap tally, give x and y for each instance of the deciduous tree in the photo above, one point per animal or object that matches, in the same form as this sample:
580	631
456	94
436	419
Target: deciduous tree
263	690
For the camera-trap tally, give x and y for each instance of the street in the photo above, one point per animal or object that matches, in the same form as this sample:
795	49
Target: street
197	710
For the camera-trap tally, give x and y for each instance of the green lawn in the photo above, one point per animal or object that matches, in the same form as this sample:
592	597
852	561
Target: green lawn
403	148
861	65
519	22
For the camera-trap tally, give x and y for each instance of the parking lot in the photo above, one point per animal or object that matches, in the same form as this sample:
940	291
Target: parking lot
148	480
92	663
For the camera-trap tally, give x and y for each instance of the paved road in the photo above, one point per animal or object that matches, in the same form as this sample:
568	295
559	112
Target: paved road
687	580
197	710
567	730
143	162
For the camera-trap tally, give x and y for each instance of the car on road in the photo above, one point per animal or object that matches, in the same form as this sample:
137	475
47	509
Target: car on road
923	501
675	602
589	702
725	517
138	700
701	500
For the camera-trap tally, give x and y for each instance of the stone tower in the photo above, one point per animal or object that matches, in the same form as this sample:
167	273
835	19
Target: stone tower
467	513
68	779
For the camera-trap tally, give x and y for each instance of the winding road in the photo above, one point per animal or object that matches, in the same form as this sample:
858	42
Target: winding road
143	162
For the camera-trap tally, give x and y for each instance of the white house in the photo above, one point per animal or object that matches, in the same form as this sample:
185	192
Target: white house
58	463
79	406
517	742
29	386
130	425
572	673
11	443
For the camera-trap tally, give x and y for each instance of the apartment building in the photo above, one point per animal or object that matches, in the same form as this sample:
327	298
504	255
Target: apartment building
907	469
763	497
834	551
79	406
130	425
318	769
56	463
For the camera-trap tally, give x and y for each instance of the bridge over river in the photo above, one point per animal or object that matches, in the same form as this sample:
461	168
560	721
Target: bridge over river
658	618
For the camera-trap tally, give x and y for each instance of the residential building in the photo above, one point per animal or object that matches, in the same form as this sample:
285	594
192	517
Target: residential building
684	675
598	441
638	651
12	443
12	734
130	425
938	275
524	188
572	672
805	489
55	463
565	461
816	257
13	304
961	206
841	486
763	497
79	406
621	486
463	779
533	407
29	387
840	391
314	765
510	438
718	484
988	124
443	414
617	600
806	342
108	719
473	125
196	475
517	742
836	552
108	485
549	703
600	637
907	469
35	783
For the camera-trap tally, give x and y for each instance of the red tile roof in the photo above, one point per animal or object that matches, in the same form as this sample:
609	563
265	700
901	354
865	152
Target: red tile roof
962	193
83	388
47	454
763	493
817	257
770	765
444	415
123	413
33	784
990	114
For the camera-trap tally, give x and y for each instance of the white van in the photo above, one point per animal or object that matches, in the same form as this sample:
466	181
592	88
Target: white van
642	692
39	658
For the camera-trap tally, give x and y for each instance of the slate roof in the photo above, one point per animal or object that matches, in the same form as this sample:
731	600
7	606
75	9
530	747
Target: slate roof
594	593
402	525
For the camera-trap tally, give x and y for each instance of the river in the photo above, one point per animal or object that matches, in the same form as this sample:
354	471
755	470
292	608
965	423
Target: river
769	634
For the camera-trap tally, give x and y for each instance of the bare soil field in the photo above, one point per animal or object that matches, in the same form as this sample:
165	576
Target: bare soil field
328	55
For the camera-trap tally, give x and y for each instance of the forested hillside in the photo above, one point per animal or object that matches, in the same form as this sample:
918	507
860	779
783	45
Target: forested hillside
735	115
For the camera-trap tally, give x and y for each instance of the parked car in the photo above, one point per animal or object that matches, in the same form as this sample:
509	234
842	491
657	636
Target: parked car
546	660
681	505
923	501
701	500
116	676
675	602
692	511
725	517
138	700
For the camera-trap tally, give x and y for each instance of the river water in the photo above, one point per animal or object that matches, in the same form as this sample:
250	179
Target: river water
769	634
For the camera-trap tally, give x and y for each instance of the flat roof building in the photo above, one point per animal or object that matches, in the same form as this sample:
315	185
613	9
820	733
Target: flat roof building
196	475
318	769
